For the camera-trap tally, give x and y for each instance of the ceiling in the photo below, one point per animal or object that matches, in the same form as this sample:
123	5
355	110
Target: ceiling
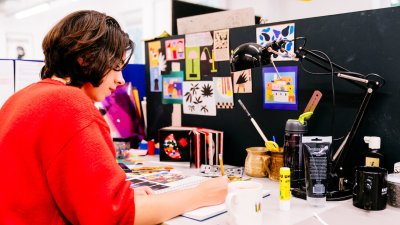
10	7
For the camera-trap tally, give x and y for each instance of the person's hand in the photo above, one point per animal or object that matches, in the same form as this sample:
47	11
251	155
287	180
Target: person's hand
215	190
145	190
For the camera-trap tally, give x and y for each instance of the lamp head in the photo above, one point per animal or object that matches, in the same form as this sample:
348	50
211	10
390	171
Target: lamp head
247	56
251	55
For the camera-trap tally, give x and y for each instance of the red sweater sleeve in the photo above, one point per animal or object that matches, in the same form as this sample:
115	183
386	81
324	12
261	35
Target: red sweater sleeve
86	182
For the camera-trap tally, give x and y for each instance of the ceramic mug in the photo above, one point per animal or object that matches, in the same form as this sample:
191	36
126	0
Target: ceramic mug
244	203
256	162
370	188
274	164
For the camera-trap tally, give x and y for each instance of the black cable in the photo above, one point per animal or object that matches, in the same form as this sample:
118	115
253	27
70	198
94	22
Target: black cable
333	91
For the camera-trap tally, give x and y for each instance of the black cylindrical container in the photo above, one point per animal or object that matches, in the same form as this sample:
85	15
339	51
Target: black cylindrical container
370	189
293	154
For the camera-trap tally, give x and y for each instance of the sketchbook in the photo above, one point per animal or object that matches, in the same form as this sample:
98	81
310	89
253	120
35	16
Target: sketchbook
208	212
166	181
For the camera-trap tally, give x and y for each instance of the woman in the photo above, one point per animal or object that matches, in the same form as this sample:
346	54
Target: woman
57	156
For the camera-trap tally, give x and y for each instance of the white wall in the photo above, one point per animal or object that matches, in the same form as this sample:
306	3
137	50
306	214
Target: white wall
281	10
150	15
154	15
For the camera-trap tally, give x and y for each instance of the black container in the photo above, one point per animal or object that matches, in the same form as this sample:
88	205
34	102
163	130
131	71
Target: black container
293	155
370	188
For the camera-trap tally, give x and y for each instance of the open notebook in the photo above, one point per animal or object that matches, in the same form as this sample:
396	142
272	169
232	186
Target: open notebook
208	212
166	181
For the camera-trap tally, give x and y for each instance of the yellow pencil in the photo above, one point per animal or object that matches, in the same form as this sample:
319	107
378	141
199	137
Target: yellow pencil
221	164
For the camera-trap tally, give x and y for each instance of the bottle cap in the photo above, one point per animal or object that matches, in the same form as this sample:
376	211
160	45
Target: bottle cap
373	142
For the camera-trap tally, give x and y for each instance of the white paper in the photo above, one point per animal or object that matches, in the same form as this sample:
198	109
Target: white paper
26	73
6	80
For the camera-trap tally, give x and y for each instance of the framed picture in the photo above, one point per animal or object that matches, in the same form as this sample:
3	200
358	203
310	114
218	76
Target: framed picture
19	46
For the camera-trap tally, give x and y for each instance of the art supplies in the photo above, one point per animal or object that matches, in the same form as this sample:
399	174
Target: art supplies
215	171
271	145
166	181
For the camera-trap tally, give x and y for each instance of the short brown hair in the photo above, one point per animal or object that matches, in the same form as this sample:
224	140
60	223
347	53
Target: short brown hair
93	36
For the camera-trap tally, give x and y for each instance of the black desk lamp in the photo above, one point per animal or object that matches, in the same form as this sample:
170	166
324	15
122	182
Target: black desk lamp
251	55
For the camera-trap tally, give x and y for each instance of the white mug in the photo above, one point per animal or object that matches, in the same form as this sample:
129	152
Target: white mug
244	203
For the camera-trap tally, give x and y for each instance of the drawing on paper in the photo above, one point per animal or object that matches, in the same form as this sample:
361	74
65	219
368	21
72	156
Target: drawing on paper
192	63
172	88
242	81
223	92
221	45
199	98
280	92
277	33
175	49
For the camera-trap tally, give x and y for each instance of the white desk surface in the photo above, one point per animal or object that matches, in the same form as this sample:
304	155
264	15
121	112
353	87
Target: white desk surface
300	213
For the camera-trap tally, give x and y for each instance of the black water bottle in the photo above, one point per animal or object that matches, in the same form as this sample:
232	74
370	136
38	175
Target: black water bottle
293	155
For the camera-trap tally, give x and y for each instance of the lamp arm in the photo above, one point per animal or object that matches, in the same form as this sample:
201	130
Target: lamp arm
344	147
302	53
369	85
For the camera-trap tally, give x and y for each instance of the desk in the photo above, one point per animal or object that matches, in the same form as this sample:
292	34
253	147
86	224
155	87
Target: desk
301	213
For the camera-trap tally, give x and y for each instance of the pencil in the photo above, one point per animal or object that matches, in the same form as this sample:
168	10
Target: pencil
221	164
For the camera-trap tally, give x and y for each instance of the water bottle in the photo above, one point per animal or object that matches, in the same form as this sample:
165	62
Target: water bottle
293	155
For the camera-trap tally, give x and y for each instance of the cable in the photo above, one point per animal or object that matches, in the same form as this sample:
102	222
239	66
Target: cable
333	91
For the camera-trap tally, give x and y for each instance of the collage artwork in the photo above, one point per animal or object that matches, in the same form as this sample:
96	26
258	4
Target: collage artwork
185	71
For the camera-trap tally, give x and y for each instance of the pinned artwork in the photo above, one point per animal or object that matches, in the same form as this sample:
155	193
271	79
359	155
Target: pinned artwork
242	81
199	98
223	92
154	52
172	88
175	49
163	66
280	91
277	32
221	45
155	80
192	63
208	67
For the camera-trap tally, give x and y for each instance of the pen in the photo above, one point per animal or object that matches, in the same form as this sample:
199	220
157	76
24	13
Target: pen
221	164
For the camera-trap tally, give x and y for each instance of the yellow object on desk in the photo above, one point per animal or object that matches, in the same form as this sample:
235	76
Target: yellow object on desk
221	164
272	146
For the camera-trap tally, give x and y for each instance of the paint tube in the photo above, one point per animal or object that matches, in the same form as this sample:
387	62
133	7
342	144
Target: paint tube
316	152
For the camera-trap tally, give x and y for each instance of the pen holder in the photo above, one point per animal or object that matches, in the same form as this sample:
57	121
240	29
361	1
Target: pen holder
274	163
256	162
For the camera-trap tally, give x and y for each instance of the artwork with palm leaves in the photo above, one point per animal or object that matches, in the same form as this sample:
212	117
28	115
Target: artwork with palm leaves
199	98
